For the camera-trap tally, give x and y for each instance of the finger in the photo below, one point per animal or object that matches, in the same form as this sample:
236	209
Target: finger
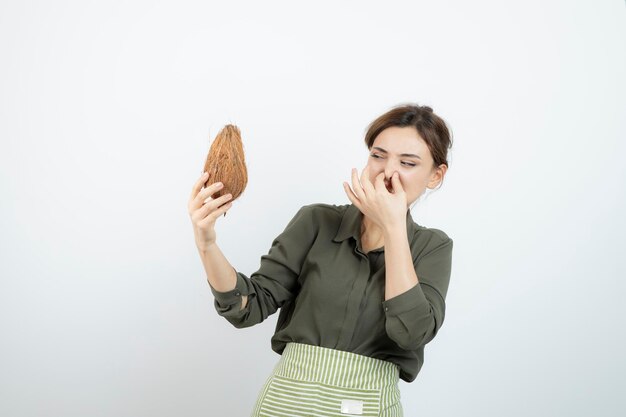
395	182
195	190
211	189
213	205
207	192
379	183
368	187
215	214
348	190
356	185
198	185
353	198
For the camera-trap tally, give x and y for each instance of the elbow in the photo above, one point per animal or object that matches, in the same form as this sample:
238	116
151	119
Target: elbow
246	312
241	319
411	337
406	340
240	324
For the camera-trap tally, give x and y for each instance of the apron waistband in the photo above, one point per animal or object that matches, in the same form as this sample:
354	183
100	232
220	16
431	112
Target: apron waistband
335	367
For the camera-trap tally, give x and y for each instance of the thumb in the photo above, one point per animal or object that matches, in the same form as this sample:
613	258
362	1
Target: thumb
395	180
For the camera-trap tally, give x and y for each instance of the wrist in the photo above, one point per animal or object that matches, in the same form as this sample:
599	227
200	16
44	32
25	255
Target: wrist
204	247
394	230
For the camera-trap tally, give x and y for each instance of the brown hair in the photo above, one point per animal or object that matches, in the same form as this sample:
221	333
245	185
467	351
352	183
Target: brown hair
429	126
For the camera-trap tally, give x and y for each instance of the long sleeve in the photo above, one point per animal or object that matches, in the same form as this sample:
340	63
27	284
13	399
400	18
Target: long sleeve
414	317
276	281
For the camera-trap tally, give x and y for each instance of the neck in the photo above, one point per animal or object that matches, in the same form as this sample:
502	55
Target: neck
370	229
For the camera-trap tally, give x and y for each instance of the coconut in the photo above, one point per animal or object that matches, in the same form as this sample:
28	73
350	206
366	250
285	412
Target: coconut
225	163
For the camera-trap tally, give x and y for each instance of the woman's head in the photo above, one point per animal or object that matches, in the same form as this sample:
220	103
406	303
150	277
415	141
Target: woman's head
413	141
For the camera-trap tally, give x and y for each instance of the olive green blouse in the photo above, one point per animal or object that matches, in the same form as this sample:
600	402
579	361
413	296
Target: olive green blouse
331	294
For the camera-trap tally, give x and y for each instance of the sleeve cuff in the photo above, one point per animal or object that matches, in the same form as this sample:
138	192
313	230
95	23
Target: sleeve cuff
227	298
406	301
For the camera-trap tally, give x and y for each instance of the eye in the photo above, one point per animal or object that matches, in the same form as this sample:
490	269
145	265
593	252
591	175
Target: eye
405	163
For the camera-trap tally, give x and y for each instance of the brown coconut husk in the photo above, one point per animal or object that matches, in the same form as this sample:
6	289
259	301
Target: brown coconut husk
225	163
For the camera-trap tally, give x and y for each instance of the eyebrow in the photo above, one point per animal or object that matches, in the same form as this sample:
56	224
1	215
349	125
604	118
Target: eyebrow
402	154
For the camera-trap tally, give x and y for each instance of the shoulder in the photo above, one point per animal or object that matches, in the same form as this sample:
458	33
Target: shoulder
324	211
432	233
427	239
317	216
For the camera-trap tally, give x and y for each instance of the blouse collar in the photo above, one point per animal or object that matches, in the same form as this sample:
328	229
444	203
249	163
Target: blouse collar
351	224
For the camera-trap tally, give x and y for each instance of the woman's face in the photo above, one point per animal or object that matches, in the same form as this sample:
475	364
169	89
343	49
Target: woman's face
416	172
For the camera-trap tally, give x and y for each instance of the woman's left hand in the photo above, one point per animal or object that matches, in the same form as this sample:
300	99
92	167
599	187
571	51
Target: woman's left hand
379	205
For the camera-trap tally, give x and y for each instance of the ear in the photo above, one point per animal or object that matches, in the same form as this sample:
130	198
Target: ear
437	176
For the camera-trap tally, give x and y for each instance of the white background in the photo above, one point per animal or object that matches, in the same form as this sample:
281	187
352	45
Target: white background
108	109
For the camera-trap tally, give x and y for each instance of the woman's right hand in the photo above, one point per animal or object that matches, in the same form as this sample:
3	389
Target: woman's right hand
204	210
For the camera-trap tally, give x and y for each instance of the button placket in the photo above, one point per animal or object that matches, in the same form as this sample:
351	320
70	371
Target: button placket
354	301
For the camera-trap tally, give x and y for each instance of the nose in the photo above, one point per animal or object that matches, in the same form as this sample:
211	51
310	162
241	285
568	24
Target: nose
390	168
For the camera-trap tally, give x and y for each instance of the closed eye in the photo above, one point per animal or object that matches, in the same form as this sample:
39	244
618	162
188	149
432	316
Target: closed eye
406	163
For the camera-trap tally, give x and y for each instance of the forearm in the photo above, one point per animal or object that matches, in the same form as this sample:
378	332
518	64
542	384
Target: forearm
220	273
400	273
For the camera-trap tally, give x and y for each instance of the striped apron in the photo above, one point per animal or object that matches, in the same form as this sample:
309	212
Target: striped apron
322	382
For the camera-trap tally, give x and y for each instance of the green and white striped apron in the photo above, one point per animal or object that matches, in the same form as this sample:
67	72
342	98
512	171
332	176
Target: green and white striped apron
317	381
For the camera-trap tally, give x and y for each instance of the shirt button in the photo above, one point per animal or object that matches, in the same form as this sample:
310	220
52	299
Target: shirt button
237	293
386	308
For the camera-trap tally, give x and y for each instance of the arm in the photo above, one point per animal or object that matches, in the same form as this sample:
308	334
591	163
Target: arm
220	274
399	270
415	315
275	282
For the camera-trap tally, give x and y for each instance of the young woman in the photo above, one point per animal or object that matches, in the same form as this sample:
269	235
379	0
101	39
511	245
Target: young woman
361	287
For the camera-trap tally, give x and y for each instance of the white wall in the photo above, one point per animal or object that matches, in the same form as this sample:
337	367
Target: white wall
108	109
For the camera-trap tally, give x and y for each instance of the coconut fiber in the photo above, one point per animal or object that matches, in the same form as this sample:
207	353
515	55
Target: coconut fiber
225	163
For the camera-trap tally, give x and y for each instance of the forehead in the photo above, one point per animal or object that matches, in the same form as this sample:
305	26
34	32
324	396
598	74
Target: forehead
397	140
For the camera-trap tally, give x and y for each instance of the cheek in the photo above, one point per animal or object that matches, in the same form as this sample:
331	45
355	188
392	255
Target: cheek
410	182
